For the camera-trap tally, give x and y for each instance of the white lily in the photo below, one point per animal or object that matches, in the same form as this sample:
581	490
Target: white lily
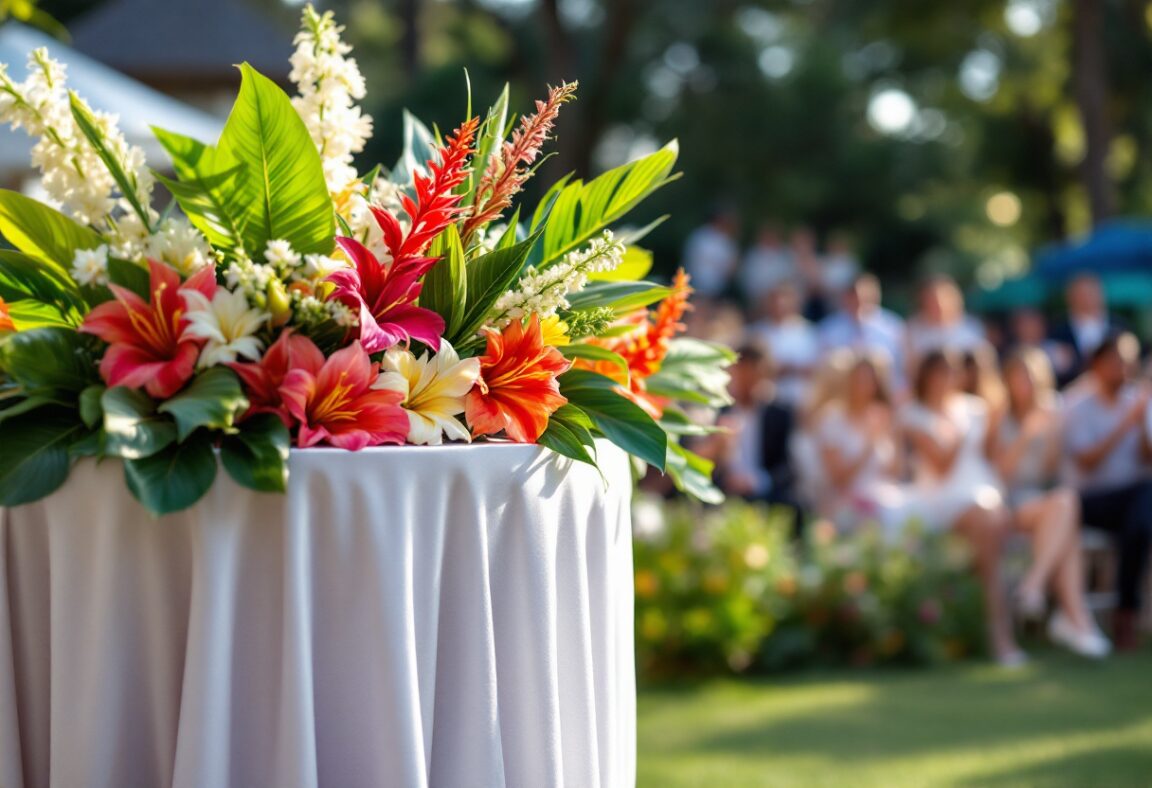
228	323
434	389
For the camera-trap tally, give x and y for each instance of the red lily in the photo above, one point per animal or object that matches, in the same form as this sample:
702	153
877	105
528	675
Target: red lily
517	390
334	402
147	345
262	379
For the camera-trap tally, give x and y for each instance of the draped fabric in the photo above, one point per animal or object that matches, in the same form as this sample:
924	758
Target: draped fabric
411	616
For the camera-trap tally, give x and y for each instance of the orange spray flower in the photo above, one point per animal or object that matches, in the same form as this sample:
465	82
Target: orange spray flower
517	390
6	323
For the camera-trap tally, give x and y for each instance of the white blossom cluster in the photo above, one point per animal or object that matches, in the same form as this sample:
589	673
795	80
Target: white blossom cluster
308	310
329	84
90	266
488	236
72	172
181	245
365	229
544	292
283	264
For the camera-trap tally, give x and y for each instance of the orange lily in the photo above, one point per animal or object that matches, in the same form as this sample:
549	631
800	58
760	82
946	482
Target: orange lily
517	390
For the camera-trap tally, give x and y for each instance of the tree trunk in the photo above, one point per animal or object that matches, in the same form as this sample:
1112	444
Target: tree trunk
1090	84
410	16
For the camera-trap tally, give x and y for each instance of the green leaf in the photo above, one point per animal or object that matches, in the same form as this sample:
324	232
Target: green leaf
91	409
282	189
23	277
636	265
212	400
446	283
48	359
583	210
488	277
34	461
419	147
131	276
43	232
489	140
694	371
129	188
620	296
174	478
620	420
31	403
33	314
594	353
132	428
257	456
207	187
692	474
569	434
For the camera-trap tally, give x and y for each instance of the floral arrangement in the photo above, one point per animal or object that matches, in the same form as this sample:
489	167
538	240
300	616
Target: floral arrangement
730	590
282	297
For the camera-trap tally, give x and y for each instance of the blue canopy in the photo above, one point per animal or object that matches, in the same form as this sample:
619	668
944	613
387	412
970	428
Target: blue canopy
1121	246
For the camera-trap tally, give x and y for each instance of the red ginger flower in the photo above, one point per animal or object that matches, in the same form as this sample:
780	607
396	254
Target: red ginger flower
333	401
262	379
517	390
6	323
149	348
505	174
383	294
645	347
436	205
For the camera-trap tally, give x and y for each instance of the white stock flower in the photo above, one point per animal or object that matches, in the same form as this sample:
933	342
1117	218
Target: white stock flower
227	322
180	245
281	255
90	266
543	292
434	388
329	85
72	173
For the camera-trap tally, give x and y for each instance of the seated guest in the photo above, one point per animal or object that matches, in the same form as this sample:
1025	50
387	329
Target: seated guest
1106	438
940	322
859	451
1088	323
768	264
980	377
1025	449
863	325
827	381
955	486
791	341
752	457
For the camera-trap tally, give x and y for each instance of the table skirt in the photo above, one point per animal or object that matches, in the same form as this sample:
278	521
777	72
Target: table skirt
409	616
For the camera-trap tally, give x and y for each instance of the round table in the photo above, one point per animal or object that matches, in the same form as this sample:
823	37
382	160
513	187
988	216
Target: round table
407	616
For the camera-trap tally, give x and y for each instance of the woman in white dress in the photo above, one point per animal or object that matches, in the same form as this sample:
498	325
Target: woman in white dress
1026	447
859	452
955	486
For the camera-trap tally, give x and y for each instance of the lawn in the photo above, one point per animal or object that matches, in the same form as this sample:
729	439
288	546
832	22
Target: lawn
1059	722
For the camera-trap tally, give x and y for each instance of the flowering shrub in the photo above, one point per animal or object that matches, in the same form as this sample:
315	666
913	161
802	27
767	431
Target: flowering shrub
726	589
284	297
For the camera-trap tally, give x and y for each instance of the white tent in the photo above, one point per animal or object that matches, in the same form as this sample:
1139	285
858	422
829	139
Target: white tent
138	106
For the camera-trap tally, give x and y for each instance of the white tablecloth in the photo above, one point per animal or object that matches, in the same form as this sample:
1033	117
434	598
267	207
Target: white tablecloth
408	616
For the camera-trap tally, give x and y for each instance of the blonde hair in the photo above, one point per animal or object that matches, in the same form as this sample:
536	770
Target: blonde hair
1034	363
827	382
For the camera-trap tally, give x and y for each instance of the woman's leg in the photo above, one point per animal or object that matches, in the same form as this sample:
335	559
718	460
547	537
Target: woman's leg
1063	519
1053	522
985	529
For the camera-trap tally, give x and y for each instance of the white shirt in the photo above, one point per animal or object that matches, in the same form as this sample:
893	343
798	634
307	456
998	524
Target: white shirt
792	343
710	257
764	268
963	335
879	332
1089	333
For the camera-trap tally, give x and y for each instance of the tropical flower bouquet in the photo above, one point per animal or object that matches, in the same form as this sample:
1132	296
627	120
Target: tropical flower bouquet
281	297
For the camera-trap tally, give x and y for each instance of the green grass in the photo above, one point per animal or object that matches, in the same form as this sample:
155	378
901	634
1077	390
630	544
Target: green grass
1059	722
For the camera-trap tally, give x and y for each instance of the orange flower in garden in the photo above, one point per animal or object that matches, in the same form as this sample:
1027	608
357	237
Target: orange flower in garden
6	323
645	347
517	390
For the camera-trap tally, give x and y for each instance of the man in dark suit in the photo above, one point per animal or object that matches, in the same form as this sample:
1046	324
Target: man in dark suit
1075	339
754	462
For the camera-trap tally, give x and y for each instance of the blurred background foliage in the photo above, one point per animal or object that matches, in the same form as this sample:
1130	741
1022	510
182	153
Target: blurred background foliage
937	136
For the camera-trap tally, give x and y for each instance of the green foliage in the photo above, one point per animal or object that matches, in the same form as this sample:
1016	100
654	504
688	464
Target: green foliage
126	181
175	477
132	427
257	455
618	419
212	400
595	353
264	180
488	277
727	589
48	360
42	232
582	210
24	278
569	434
446	283
694	371
619	296
34	461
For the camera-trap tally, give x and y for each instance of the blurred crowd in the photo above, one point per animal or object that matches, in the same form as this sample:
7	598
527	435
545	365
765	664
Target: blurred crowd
845	411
